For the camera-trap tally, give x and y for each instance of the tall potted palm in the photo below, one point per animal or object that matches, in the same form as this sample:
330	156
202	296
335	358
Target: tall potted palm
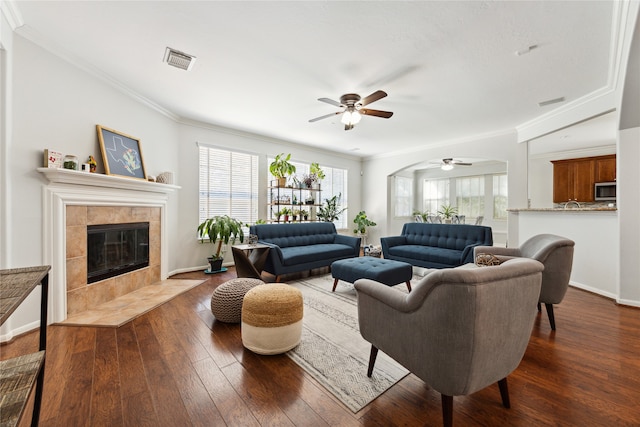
219	230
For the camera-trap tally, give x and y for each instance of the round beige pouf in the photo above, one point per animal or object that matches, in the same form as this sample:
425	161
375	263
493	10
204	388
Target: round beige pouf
272	318
226	301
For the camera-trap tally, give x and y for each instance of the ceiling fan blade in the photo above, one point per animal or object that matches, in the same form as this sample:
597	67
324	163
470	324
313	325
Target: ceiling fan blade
325	116
330	101
459	163
377	113
373	97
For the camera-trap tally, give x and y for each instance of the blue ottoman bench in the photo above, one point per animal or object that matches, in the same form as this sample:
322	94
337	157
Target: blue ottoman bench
384	271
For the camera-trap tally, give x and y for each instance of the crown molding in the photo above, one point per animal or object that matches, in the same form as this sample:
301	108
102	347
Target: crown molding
11	12
604	99
59	51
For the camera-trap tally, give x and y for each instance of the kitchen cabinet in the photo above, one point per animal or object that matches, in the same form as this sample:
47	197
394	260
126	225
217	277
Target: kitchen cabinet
605	168
574	179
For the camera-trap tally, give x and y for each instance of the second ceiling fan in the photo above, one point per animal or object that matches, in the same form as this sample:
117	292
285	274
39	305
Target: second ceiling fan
449	163
352	110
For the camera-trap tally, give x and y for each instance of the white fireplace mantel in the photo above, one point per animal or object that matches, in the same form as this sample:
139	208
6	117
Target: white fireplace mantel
67	176
74	188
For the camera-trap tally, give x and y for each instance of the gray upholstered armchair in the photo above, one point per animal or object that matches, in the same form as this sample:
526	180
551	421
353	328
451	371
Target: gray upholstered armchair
459	330
556	253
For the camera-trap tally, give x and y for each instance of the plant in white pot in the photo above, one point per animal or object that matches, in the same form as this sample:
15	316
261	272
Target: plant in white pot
219	230
362	222
281	168
447	212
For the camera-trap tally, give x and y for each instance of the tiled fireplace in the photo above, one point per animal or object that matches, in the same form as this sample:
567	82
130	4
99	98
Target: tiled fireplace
73	200
81	295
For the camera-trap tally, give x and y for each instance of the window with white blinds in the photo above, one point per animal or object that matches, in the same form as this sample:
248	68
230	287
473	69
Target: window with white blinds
470	196
500	196
435	194
403	188
228	184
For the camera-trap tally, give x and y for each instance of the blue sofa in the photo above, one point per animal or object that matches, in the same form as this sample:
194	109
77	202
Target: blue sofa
304	246
436	245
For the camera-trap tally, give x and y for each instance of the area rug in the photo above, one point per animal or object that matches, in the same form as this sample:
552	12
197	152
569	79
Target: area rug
121	310
332	350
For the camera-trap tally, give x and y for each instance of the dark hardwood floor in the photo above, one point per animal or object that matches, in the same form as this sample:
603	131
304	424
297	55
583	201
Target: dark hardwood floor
176	366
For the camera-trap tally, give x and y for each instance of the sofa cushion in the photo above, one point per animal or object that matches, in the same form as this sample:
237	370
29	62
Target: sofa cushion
427	253
293	255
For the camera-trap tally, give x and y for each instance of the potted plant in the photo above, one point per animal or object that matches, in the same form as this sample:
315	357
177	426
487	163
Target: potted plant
362	222
316	170
286	212
220	229
330	211
304	214
422	215
281	168
278	215
447	212
296	214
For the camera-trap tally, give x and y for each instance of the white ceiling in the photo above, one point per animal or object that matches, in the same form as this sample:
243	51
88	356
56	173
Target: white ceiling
449	68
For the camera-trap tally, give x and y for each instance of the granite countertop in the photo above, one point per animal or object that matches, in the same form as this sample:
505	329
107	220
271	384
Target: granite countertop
586	209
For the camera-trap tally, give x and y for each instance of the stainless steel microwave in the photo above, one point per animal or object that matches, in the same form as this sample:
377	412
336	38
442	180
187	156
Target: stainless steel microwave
605	191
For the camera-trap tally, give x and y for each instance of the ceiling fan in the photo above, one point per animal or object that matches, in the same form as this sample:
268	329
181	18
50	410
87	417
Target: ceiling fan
448	164
352	110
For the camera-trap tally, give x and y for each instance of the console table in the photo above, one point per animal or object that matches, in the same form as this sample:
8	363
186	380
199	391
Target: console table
21	373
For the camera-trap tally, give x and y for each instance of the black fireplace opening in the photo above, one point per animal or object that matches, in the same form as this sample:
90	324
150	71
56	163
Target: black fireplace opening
114	249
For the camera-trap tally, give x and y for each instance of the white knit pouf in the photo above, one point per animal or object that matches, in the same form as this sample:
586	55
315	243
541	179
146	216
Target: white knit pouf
226	301
272	318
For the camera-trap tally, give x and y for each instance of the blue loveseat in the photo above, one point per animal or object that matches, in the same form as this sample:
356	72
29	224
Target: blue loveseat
305	246
436	245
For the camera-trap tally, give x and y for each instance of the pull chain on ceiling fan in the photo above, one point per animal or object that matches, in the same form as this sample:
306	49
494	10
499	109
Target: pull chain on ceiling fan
352	110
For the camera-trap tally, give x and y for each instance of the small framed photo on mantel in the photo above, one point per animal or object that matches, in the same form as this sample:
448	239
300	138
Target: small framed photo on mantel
122	154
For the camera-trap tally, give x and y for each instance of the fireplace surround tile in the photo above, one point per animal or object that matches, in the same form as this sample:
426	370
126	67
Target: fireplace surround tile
82	296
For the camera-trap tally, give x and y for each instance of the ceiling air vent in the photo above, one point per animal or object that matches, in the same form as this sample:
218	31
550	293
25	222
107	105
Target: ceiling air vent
178	59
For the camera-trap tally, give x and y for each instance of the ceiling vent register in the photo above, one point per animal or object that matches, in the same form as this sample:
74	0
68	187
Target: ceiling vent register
178	59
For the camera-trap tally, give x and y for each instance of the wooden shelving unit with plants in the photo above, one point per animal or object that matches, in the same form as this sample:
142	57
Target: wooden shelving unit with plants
287	200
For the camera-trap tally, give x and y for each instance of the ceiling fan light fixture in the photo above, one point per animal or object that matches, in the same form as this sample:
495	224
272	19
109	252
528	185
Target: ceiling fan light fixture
446	167
350	117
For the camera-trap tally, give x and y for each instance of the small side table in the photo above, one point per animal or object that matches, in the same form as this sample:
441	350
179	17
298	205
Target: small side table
21	373
250	259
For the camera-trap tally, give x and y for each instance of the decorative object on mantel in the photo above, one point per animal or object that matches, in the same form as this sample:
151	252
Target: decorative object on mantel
70	162
122	154
92	164
165	178
52	158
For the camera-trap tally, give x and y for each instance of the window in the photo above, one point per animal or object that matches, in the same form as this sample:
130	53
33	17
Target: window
228	184
403	195
333	184
500	196
435	194
470	196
